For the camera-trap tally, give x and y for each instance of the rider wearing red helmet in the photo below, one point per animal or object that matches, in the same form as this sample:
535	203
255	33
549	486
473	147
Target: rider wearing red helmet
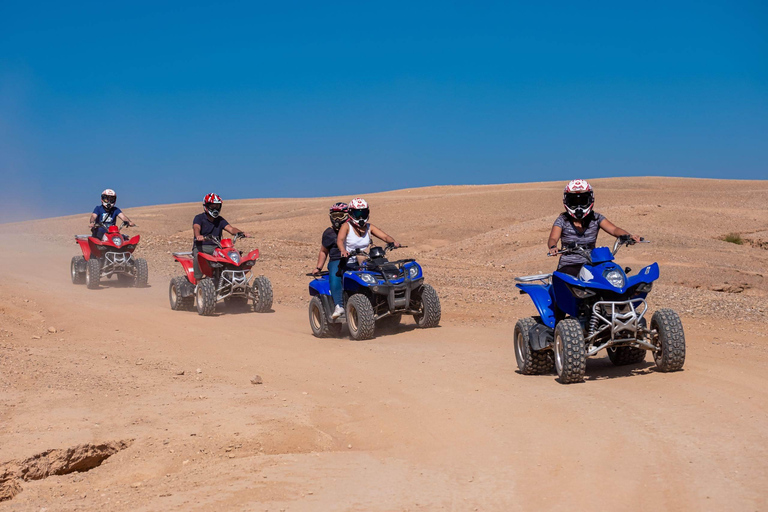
579	225
107	214
209	224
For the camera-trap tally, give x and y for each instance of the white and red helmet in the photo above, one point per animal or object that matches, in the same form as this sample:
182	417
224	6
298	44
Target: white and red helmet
108	198
578	199
212	205
359	212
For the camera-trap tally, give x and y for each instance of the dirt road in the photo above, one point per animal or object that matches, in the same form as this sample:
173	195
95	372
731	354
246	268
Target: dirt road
412	420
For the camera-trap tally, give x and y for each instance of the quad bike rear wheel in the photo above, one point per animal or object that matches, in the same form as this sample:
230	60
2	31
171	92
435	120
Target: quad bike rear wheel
429	315
178	301
78	275
529	361
318	320
570	351
93	273
205	298
670	339
142	273
262	294
360	318
391	321
622	356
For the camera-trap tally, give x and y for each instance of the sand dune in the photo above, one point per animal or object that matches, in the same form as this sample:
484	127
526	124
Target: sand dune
413	420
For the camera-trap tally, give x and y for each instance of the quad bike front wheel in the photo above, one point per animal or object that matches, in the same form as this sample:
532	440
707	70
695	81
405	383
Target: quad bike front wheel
93	273
360	318
262	294
529	361
570	351
318	320
669	337
205	298
78	275
178	301
429	314
142	273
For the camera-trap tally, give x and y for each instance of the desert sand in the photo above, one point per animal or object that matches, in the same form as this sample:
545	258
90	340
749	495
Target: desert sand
435	419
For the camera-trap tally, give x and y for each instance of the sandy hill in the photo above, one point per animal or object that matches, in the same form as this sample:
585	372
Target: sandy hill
109	400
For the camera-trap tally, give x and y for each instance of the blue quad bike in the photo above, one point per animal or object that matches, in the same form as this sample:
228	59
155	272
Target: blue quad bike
377	293
602	308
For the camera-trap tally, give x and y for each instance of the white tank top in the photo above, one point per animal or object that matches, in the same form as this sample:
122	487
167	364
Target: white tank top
354	241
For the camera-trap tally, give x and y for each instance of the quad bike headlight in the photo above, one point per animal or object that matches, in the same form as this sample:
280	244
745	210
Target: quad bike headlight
615	277
413	271
117	240
234	256
580	293
368	278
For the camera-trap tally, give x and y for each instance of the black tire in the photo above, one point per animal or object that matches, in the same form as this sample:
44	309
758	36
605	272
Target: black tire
93	273
622	356
360	318
142	273
430	307
179	303
78	276
262	294
390	322
529	361
205	298
670	338
318	320
570	351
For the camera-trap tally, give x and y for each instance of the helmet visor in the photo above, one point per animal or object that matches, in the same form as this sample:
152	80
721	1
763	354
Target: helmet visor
359	214
215	207
582	199
338	215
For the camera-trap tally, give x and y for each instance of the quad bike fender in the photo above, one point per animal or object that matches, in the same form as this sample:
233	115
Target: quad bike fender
353	282
187	265
646	275
85	246
134	241
320	287
541	296
253	255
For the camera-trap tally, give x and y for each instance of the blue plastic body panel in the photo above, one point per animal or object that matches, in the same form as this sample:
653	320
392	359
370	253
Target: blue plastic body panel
601	255
541	295
352	280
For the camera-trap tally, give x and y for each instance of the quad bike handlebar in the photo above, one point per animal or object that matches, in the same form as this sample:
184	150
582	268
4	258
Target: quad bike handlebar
123	225
217	240
585	250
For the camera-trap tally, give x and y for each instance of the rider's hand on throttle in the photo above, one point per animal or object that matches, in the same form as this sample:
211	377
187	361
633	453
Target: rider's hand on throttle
636	238
396	244
200	238
553	251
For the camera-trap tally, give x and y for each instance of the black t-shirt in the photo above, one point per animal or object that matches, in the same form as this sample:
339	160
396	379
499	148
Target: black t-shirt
209	227
329	242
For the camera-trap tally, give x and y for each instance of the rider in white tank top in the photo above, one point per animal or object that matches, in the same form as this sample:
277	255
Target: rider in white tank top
354	241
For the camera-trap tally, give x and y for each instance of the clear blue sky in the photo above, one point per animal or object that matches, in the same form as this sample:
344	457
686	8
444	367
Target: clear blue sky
166	101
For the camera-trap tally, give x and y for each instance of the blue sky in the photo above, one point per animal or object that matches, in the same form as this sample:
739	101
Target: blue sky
166	101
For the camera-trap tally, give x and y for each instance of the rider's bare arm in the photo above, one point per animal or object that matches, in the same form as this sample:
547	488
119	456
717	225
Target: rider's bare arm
610	228
124	218
341	239
554	237
196	228
383	236
232	230
321	257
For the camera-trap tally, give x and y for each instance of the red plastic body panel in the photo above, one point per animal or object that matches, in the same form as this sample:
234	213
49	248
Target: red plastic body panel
88	246
189	267
217	256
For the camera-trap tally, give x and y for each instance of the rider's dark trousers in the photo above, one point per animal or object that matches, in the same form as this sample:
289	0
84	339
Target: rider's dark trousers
207	249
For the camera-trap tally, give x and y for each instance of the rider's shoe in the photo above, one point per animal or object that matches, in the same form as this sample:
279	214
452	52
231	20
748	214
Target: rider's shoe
337	312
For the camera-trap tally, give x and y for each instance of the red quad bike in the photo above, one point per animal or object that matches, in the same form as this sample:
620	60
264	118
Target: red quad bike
227	278
112	256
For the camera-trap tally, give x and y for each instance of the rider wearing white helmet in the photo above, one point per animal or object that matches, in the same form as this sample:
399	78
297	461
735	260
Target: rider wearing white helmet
107	214
356	234
579	225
